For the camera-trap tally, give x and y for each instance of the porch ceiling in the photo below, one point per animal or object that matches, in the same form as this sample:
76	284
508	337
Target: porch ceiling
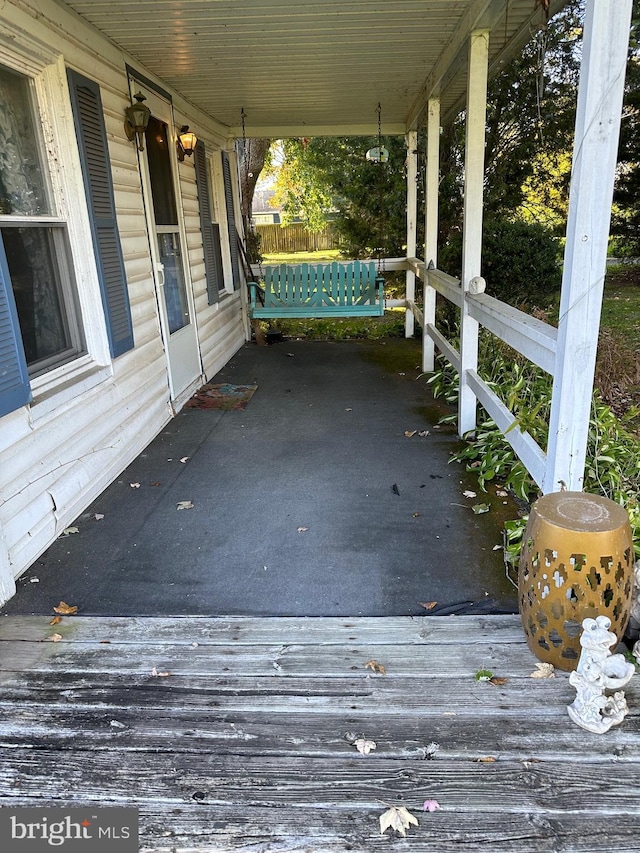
313	67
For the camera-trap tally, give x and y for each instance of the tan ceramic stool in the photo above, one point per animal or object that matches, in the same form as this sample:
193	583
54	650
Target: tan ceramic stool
576	561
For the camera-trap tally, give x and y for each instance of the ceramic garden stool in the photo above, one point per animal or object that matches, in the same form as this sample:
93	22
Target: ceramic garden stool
576	561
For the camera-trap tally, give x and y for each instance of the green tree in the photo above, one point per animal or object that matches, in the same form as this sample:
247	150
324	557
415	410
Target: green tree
330	178
530	120
625	226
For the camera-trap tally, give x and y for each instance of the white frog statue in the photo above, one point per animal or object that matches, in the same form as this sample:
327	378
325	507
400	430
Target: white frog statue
599	670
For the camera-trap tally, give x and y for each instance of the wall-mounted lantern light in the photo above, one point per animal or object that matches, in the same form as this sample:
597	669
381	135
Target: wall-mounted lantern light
186	142
137	120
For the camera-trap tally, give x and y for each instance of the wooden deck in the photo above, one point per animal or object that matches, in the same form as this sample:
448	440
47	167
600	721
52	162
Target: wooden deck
247	742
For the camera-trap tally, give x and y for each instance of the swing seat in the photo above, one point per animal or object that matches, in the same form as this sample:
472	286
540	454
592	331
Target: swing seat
318	290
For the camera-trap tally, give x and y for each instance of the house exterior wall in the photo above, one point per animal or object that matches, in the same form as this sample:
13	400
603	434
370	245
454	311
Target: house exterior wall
88	419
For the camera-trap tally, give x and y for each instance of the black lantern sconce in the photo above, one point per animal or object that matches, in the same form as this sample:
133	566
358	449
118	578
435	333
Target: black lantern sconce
137	120
187	141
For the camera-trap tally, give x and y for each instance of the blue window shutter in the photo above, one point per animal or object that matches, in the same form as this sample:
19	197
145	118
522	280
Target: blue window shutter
96	170
210	230
231	219
15	390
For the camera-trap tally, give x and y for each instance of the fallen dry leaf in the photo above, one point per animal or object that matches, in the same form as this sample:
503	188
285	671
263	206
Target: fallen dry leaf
69	530
55	619
374	666
431	806
302	529
498	682
363	746
543	670
397	818
487	759
410	432
428	605
155	483
55	638
184	505
65	609
155	672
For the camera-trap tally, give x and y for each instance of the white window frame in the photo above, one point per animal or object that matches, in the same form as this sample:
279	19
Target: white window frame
45	67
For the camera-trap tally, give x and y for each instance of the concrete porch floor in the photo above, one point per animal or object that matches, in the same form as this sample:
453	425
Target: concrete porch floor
310	502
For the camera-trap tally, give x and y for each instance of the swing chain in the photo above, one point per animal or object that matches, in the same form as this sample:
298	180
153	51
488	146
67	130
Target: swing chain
381	265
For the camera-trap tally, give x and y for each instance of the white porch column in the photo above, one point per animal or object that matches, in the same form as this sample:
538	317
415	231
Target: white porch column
600	93
412	216
432	181
472	221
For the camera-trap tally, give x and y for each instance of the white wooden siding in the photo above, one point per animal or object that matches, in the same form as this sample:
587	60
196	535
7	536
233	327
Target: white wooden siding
56	457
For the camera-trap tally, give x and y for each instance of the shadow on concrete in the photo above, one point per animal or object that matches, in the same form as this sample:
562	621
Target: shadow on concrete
310	502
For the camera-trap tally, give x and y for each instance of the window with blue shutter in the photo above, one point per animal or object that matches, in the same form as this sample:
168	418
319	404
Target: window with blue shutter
15	390
96	170
210	230
231	220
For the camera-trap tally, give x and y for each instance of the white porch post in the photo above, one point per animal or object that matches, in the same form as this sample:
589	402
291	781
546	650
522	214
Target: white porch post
472	221
412	215
432	180
600	93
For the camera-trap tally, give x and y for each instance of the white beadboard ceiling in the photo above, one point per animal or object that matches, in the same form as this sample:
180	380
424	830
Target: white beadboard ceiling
304	67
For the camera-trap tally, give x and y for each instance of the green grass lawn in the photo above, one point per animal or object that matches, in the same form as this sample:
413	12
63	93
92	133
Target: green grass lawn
621	304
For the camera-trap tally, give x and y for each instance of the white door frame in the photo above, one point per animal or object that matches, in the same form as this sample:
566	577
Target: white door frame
182	350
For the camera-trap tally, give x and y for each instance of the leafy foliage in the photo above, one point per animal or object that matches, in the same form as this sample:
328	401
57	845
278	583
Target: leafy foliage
530	120
613	450
625	224
345	328
330	176
520	260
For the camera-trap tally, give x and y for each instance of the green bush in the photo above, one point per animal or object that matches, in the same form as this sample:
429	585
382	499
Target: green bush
520	261
613	452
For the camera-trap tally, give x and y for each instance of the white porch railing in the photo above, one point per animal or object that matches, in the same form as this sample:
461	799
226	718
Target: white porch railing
532	338
567	353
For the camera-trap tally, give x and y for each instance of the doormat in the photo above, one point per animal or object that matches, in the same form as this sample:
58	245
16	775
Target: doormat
225	396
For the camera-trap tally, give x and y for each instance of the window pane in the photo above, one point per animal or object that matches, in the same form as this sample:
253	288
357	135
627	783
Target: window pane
175	291
164	202
46	314
22	186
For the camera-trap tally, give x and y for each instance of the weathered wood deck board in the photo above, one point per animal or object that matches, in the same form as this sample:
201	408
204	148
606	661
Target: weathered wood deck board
416	661
358	781
214	827
471	737
376	697
246	746
332	631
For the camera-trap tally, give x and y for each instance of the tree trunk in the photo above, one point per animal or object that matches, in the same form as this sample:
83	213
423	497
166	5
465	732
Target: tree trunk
251	156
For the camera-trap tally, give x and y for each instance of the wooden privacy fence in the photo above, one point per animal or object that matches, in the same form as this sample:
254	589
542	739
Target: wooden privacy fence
294	238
